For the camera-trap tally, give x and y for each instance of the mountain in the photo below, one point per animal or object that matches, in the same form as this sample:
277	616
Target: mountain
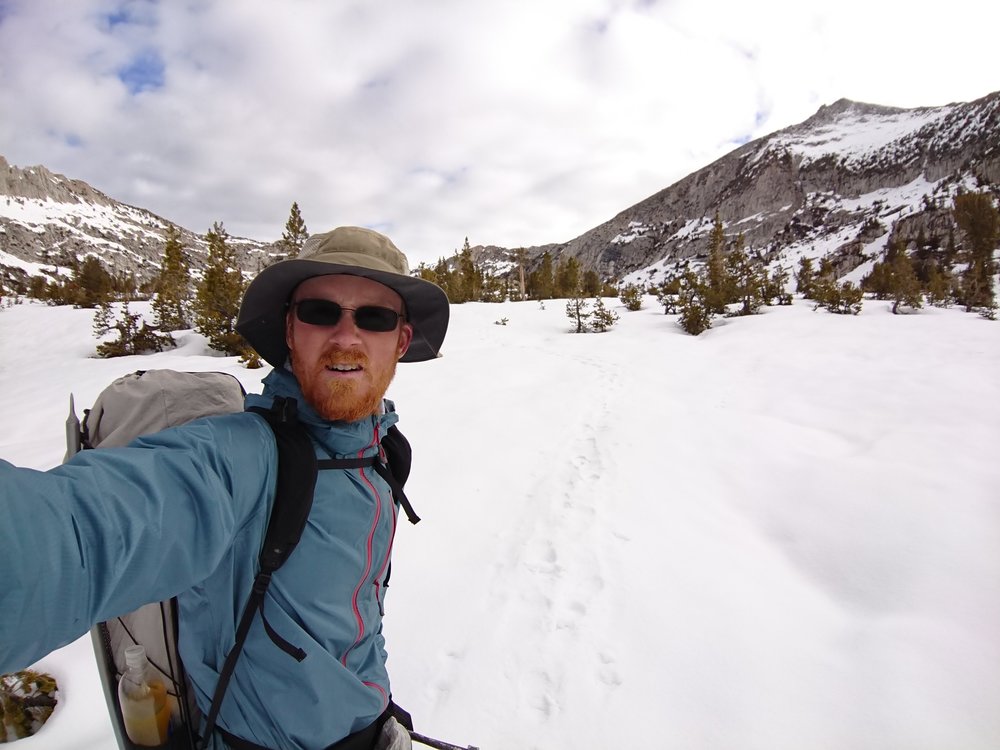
841	184
844	182
49	221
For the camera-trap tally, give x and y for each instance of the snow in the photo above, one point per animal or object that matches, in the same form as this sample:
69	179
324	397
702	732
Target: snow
910	195
636	229
854	135
782	534
33	269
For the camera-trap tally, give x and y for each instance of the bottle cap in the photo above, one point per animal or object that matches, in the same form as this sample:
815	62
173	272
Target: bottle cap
135	656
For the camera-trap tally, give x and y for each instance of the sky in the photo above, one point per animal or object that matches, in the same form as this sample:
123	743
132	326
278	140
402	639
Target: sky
781	534
517	123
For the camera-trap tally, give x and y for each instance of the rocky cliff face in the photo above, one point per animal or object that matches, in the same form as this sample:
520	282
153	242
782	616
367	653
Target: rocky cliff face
843	182
49	222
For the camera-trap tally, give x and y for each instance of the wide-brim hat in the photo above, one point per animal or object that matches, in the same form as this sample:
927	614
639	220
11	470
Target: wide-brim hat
346	250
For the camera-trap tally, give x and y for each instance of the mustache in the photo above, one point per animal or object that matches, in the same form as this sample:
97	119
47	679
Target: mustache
338	355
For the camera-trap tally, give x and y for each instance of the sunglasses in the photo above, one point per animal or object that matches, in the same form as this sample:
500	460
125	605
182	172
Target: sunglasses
323	312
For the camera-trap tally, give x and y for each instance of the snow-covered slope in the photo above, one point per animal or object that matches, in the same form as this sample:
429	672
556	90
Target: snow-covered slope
782	534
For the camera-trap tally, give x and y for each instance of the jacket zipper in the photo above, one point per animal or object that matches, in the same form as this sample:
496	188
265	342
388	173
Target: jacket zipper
369	545
379	592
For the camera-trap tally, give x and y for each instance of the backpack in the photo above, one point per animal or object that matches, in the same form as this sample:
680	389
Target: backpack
148	401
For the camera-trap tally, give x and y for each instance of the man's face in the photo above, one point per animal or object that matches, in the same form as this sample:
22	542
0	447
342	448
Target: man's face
344	370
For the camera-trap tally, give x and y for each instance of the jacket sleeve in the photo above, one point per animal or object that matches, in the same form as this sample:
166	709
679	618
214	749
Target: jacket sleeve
117	528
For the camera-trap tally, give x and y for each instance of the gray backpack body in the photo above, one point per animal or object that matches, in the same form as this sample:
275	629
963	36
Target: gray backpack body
140	404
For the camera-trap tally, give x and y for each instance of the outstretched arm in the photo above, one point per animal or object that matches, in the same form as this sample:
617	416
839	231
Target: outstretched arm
117	528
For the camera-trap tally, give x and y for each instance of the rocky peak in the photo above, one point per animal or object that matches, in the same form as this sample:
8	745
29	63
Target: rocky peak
49	223
829	113
38	183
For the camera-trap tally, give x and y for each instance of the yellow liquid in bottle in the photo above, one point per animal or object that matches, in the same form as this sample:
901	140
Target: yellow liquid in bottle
147	720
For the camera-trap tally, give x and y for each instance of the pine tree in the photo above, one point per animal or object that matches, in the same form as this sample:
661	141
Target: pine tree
91	284
631	296
878	282
470	283
133	338
38	288
217	300
540	280
603	318
667	295
445	278
905	284
744	280
774	287
591	284
427	273
980	221
173	286
567	278
938	286
718	285
578	312
295	234
805	278
494	288
695	312
104	318
841	299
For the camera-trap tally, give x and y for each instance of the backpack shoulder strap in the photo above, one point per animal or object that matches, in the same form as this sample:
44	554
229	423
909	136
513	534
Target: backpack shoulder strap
396	469
297	467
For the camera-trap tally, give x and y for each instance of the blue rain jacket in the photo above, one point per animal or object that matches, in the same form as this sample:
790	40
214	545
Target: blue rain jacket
183	513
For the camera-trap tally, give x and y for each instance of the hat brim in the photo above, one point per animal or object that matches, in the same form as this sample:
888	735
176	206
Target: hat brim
262	315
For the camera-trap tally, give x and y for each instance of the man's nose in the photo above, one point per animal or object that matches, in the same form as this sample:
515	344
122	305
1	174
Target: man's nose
345	328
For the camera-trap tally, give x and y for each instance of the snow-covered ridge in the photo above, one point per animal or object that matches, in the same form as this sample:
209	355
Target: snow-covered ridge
50	222
854	135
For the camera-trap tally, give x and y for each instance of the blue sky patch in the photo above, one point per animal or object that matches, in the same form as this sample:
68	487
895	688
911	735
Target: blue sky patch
143	73
117	18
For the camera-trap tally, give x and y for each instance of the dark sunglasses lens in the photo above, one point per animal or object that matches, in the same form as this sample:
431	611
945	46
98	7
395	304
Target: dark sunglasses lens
378	319
318	312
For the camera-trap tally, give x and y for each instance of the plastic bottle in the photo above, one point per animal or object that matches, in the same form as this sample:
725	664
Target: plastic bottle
143	699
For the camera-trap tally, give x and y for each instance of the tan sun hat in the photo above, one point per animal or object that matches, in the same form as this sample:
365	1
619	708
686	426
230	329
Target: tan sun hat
346	250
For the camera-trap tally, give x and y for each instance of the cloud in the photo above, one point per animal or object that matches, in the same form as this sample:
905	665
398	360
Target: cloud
513	123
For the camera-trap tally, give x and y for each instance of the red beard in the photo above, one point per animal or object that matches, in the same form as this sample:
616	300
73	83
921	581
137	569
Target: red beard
346	399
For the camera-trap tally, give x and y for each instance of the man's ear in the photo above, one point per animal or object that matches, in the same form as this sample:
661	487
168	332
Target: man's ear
405	337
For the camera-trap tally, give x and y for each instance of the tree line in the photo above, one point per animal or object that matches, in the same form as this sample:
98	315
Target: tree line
209	303
466	280
732	282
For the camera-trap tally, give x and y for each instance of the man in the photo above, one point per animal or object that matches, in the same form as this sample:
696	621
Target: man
183	512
